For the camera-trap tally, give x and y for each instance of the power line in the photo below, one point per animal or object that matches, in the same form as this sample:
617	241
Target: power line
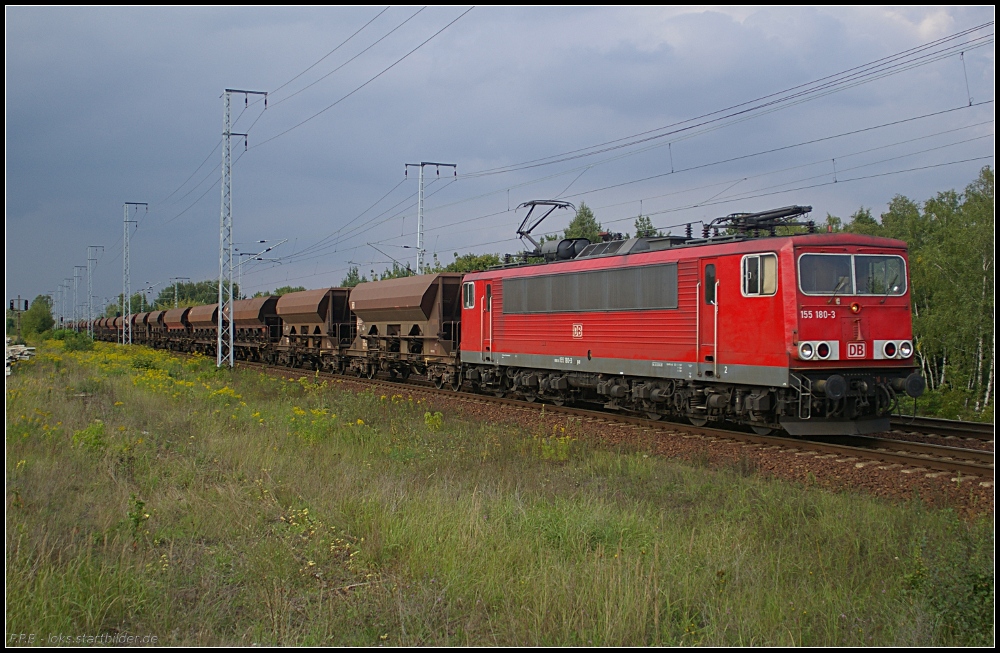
314	252
320	60
370	80
827	183
697	167
353	220
827	159
792	146
756	196
385	36
869	69
210	154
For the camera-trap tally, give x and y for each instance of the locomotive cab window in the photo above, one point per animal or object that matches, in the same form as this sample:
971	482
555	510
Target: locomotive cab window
760	275
469	295
826	274
852	274
880	275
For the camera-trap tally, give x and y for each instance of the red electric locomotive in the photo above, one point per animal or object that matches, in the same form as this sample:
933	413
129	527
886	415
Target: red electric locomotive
809	333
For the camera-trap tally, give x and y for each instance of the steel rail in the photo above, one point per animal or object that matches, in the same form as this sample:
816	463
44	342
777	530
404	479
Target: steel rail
971	463
936	426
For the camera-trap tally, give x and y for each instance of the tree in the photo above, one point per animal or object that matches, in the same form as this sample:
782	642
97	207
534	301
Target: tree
862	222
398	271
278	292
644	228
466	263
38	318
584	225
952	286
353	278
195	293
284	290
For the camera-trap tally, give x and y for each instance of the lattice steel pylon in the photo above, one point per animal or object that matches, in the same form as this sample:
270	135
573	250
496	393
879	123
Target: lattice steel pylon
91	250
126	282
76	296
421	251
224	344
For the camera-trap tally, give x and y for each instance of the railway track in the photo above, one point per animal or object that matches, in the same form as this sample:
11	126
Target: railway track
913	457
945	427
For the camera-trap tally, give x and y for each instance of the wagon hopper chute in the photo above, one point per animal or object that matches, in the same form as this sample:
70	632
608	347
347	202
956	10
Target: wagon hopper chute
256	326
408	325
316	325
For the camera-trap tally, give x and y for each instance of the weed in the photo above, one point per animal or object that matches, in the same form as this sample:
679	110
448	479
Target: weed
278	522
434	421
137	515
91	437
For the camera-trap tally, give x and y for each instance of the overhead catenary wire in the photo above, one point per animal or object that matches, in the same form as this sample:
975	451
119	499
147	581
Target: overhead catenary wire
512	239
321	59
385	36
438	208
796	91
367	82
857	70
795	167
700	166
370	223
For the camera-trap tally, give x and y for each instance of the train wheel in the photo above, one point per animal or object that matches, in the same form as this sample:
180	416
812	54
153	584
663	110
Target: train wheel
698	421
761	430
370	372
653	415
456	383
497	389
529	397
439	382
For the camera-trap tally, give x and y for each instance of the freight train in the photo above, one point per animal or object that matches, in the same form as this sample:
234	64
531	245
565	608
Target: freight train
806	333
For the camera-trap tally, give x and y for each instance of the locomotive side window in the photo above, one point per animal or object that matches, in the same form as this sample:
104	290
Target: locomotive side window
648	287
710	283
760	275
880	275
469	295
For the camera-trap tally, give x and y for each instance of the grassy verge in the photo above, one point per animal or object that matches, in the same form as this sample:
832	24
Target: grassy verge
148	495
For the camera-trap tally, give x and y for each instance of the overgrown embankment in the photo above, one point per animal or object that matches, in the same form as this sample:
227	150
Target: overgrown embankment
151	495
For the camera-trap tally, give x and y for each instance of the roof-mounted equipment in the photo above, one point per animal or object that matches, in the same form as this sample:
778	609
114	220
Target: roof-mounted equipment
758	224
553	250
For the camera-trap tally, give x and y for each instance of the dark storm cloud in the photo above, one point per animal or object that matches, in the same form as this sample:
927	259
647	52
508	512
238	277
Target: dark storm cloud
107	105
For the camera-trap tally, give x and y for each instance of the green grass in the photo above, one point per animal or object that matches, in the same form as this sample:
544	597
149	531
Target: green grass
209	507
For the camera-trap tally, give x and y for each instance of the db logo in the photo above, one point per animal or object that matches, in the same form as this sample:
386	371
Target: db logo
577	331
855	350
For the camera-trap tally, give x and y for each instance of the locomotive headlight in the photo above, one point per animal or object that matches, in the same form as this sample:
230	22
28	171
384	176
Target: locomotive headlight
905	349
806	351
889	349
823	351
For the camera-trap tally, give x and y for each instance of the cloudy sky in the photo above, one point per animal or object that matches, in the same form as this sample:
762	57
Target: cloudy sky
682	114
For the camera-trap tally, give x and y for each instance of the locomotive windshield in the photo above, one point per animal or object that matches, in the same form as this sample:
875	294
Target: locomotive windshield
880	275
852	274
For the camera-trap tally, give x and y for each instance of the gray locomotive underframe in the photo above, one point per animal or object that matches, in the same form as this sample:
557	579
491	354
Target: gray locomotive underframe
757	375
